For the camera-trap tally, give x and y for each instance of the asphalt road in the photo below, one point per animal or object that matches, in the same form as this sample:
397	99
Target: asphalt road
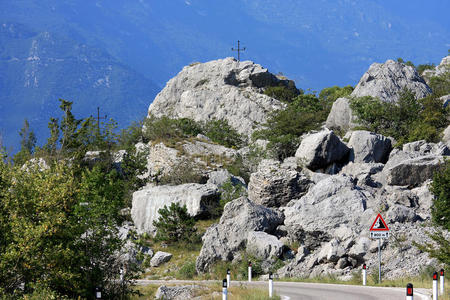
318	291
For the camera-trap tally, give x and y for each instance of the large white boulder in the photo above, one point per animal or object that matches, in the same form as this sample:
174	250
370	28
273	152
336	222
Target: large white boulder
369	147
220	89
147	201
224	240
318	150
275	184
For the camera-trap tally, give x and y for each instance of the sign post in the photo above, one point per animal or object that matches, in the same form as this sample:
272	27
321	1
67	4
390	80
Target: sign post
379	230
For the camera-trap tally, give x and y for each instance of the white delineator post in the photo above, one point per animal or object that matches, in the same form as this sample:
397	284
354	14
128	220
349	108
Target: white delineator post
250	271
441	277
228	278
270	285
409	292
364	274
224	290
435	286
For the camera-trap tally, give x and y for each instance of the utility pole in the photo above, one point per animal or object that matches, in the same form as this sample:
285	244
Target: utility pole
239	49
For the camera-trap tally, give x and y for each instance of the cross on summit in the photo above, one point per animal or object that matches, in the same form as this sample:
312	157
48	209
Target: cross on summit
239	49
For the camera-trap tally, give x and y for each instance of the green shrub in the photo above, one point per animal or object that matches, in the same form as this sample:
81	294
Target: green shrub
183	172
407	120
187	270
284	127
328	95
175	224
165	128
237	167
282	93
219	131
423	67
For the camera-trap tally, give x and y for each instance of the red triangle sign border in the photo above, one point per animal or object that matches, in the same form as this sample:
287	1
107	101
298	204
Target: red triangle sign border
379	229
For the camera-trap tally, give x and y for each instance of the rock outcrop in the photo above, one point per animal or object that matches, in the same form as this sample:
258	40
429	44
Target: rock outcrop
440	69
319	150
147	201
220	89
414	171
369	147
331	207
385	81
275	184
224	240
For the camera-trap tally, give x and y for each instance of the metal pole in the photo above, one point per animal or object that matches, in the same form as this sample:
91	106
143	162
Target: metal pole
435	286
409	292
224	290
379	260
364	273
441	277
270	285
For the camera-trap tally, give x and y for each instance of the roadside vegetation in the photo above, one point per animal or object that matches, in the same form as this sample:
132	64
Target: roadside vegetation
59	215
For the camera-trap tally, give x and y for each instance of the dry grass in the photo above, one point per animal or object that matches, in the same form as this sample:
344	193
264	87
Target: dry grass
213	292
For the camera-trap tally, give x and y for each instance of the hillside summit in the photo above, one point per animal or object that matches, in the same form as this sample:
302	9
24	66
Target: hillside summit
312	211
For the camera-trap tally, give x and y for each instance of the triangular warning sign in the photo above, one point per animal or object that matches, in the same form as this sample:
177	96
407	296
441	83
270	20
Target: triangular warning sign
379	224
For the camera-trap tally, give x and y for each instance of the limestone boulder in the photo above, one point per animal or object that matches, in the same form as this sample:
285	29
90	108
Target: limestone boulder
176	292
221	89
421	148
369	147
224	240
387	80
263	245
159	258
275	184
319	150
331	205
146	202
341	115
414	171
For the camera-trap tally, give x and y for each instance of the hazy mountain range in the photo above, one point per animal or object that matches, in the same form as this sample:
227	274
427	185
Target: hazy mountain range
118	54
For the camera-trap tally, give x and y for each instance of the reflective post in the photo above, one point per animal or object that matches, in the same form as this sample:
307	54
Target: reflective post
98	293
441	277
364	274
270	285
228	278
409	292
224	290
249	271
435	286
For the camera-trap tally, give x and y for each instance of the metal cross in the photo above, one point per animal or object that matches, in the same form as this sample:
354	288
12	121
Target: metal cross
99	118
239	49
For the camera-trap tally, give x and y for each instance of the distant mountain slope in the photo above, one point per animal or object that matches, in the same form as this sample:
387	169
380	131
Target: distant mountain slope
316	43
38	68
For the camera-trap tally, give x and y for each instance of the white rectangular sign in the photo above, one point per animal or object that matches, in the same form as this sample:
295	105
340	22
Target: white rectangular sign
379	234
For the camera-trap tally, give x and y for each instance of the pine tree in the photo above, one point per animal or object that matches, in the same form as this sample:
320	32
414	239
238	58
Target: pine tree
175	224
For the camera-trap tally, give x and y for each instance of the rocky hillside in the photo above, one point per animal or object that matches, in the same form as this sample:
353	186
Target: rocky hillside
307	215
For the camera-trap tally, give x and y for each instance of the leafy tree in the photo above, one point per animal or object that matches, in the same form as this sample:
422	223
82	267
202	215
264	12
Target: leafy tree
175	224
408	63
